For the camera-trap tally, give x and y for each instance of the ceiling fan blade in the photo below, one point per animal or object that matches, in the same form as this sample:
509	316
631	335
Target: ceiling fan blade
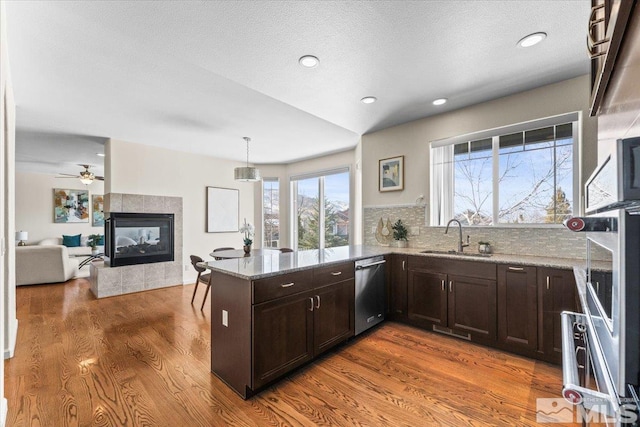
67	175
99	178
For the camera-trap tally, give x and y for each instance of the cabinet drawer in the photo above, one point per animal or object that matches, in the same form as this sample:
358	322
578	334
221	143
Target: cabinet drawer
333	273
280	286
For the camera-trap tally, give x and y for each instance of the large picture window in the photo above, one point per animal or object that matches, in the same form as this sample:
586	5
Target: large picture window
515	176
321	210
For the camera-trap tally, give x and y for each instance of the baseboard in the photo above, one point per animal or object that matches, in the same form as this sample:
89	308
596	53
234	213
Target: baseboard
3	411
9	352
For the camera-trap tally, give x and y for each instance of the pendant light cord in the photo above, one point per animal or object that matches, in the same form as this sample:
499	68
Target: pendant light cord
246	138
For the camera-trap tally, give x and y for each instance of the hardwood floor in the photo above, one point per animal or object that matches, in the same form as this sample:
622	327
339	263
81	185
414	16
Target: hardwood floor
143	359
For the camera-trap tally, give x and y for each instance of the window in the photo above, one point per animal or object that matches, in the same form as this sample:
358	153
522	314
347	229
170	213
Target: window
518	175
271	212
321	210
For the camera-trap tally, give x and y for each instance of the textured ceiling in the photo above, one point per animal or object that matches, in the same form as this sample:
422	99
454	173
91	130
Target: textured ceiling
198	76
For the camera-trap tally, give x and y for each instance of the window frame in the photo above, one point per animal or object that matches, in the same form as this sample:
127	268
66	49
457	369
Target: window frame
575	118
271	179
293	193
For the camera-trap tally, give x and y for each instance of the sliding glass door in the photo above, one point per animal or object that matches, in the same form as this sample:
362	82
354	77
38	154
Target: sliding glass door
321	210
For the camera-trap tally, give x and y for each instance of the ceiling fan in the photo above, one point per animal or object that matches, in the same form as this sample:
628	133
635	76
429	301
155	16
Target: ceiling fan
86	177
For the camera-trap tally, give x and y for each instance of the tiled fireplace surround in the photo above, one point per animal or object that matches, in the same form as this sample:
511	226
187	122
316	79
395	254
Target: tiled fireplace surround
109	281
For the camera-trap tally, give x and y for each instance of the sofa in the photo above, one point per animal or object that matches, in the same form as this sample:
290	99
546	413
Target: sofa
44	264
81	250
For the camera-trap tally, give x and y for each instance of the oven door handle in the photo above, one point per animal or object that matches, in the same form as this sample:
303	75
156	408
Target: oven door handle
572	390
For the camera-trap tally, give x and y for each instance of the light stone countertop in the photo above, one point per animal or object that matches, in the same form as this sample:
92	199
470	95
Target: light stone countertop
274	262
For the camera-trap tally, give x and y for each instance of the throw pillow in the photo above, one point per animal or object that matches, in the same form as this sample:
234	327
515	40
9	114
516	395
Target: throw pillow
101	241
71	241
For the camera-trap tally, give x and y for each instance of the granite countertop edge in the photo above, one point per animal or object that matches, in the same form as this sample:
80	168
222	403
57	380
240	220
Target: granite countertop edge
370	251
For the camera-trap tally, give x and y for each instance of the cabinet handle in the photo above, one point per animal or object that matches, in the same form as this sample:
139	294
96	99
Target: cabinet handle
336	273
516	268
311	308
317	301
548	282
443	285
287	285
403	265
598	287
450	285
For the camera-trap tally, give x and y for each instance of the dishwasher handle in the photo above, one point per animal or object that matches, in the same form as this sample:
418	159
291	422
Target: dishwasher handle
373	264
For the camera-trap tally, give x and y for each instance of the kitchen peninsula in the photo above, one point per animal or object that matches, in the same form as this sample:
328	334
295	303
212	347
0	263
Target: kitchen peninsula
275	312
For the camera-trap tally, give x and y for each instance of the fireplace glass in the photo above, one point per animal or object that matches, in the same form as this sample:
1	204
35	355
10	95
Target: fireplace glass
138	238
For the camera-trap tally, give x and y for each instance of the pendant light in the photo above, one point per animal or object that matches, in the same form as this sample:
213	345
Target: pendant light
247	173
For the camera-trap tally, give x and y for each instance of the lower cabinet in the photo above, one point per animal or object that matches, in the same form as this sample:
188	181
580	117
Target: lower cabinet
512	307
461	302
397	289
291	330
518	308
557	293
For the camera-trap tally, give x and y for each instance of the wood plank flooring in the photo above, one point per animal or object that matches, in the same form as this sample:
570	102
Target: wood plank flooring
144	359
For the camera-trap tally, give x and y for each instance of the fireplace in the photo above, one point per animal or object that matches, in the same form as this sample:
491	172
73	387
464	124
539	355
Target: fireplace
138	238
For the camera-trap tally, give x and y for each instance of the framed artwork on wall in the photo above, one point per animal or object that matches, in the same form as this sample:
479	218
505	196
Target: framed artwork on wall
391	174
223	210
97	210
70	205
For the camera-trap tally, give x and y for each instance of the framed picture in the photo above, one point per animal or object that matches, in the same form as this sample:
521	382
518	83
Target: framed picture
223	210
97	210
70	205
391	174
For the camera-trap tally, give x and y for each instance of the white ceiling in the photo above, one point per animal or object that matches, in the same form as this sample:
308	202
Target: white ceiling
198	76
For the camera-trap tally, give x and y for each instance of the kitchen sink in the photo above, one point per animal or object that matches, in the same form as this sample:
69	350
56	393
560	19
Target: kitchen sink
452	252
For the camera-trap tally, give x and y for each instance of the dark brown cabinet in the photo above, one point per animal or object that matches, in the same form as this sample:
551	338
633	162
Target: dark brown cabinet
397	289
291	330
452	294
517	308
556	291
282	336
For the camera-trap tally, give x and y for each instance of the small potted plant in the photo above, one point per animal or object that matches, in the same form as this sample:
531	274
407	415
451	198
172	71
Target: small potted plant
248	231
93	241
400	233
484	247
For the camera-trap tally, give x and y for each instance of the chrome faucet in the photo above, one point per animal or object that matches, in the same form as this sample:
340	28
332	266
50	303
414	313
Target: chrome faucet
461	244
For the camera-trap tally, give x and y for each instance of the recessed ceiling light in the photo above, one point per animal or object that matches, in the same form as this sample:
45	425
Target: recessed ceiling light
100	154
532	39
369	99
440	101
309	61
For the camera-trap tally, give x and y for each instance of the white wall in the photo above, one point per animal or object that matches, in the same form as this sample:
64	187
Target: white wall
34	206
141	169
412	139
318	164
8	321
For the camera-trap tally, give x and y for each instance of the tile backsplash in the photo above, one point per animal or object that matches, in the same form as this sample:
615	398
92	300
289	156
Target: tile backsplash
540	241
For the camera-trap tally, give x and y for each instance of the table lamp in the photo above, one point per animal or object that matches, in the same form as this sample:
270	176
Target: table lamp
22	236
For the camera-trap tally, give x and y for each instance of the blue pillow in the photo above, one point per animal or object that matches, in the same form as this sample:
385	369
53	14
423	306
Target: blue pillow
101	241
71	241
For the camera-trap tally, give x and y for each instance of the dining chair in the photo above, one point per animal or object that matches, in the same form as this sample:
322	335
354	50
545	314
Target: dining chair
222	249
285	250
202	278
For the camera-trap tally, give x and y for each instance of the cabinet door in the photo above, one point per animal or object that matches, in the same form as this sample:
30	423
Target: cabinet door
282	336
398	287
427	297
472	306
517	307
558	294
333	315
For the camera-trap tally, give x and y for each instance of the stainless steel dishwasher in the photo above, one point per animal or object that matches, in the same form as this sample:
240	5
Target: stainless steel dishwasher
370	295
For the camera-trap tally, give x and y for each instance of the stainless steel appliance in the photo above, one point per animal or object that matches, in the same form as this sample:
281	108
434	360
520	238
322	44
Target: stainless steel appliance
601	345
370	295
